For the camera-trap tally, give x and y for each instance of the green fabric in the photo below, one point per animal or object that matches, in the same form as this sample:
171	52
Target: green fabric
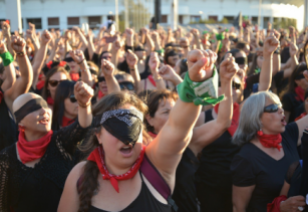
160	51
200	93
204	32
220	36
7	58
257	70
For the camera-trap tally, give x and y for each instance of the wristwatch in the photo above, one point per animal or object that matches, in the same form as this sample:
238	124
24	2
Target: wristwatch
20	54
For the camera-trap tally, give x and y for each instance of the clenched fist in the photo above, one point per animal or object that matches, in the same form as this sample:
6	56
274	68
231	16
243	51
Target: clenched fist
83	93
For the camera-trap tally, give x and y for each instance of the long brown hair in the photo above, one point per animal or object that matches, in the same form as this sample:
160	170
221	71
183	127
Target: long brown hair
88	181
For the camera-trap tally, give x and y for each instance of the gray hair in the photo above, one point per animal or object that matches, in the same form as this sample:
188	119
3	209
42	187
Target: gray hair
251	112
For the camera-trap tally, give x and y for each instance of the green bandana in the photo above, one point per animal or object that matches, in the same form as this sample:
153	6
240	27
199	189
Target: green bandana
7	58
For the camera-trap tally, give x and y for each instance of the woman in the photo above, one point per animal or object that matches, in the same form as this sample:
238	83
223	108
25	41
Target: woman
74	67
34	170
269	147
123	151
65	109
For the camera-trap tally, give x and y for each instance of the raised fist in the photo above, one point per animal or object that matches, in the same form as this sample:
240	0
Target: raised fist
46	37
5	28
167	72
107	68
154	62
83	93
228	68
18	44
3	48
270	44
131	59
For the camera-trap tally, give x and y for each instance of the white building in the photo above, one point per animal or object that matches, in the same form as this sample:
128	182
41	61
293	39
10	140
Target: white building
63	14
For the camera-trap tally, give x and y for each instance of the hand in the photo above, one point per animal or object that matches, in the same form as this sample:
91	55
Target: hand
270	44
129	32
68	35
167	72
154	62
200	64
293	49
277	34
18	44
3	48
116	45
155	36
83	94
77	56
32	27
103	29
131	59
195	32
5	28
228	68
107	68
46	37
76	29
292	204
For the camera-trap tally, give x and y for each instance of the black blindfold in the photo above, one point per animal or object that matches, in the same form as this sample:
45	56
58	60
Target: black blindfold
29	107
241	60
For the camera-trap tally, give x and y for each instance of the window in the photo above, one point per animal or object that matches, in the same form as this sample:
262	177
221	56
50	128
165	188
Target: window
213	17
164	19
72	20
36	21
94	21
195	18
181	19
53	22
229	18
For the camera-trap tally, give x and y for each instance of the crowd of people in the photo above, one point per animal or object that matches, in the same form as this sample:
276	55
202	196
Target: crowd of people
154	120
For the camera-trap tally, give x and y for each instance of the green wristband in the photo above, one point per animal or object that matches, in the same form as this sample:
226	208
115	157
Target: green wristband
7	58
220	36
200	93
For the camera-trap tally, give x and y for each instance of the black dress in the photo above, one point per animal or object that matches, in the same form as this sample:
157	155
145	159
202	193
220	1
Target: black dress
8	127
213	177
24	189
251	166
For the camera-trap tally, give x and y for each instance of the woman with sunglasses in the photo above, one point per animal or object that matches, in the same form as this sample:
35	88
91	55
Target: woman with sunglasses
33	171
65	109
269	147
213	177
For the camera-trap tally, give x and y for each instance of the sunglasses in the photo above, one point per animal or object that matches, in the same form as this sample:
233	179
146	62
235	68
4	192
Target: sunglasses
68	59
127	86
272	108
101	79
236	86
106	57
54	83
72	98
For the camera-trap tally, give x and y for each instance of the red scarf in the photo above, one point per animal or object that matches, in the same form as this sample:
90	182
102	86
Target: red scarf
269	141
50	101
300	94
32	150
40	84
97	156
67	121
153	135
74	76
301	116
100	95
151	79
235	117
275	205
1	96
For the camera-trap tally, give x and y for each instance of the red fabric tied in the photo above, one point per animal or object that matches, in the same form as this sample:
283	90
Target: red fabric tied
153	135
32	150
300	94
100	95
270	141
151	79
67	121
1	96
301	116
97	156
40	85
49	64
235	117
74	76
50	101
275	205
62	63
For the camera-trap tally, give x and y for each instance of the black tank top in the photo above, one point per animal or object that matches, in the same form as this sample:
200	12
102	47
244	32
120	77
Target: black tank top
144	202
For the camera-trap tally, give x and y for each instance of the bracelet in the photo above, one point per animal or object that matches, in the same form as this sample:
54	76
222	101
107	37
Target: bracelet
7	58
200	93
20	54
84	106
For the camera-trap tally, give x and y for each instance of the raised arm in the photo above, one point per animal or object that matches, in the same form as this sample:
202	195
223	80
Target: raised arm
293	60
270	45
79	58
9	70
91	47
23	83
40	56
166	149
168	74
108	71
154	64
132	61
81	36
7	35
196	37
204	134
116	46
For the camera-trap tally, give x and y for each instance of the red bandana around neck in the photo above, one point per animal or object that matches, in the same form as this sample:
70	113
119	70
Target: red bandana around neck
50	101
100	95
40	85
32	150
235	117
74	76
151	79
270	141
67	121
300	93
97	156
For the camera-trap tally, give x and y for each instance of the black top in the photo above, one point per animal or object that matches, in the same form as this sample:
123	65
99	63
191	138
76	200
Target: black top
290	103
24	188
8	128
214	169
144	202
293	178
251	166
184	194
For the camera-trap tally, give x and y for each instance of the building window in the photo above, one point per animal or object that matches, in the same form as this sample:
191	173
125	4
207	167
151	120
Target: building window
195	18
181	19
36	21
229	18
254	20
72	20
164	19
53	22
213	17
94	21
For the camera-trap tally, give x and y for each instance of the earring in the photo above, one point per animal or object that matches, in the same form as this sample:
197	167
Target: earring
21	128
260	133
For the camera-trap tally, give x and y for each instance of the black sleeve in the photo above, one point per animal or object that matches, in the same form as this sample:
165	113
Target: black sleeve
278	78
304	181
4	164
242	172
287	102
291	134
68	137
252	80
95	58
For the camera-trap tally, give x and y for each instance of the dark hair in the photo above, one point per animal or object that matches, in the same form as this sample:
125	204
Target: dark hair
87	182
63	91
51	72
183	66
253	66
241	45
299	69
153	101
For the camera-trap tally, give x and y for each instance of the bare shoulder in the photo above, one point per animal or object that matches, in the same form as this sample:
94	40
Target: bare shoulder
77	170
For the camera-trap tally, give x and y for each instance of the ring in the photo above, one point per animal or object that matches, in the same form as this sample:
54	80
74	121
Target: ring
300	208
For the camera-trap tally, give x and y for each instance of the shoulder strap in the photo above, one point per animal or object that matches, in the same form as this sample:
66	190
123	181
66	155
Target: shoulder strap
154	177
